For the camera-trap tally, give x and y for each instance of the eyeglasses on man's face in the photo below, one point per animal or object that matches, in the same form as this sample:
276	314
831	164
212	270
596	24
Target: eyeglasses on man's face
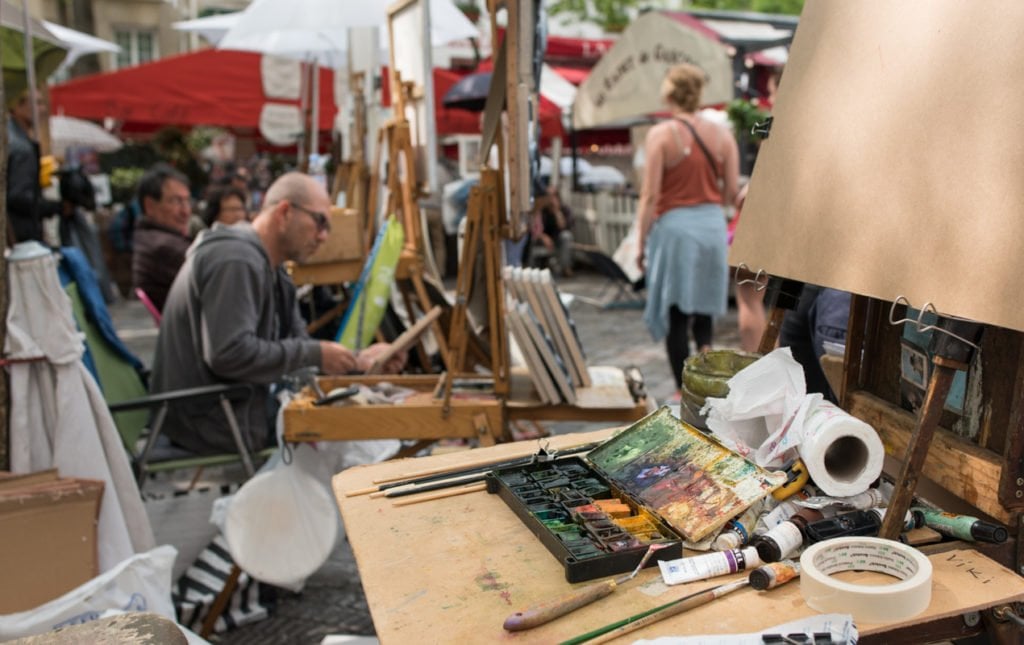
323	223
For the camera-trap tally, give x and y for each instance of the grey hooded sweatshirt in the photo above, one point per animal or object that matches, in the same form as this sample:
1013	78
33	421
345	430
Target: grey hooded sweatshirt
230	317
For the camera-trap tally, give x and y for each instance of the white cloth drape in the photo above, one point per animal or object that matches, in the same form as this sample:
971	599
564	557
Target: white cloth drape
58	418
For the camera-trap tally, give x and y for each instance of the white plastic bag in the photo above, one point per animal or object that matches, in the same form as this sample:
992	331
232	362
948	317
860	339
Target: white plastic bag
763	399
281	525
625	256
139	583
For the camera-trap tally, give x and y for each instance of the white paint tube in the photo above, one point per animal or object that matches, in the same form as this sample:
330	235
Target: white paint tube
701	567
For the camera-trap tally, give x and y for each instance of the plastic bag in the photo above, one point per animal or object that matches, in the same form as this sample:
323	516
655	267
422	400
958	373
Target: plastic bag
139	583
281	525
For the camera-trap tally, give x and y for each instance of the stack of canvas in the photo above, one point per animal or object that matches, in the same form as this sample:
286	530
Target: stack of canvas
545	334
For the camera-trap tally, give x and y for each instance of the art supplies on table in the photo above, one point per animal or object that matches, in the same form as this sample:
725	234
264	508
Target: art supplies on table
660	481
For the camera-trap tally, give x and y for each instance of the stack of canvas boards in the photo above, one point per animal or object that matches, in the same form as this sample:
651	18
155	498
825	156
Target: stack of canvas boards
544	332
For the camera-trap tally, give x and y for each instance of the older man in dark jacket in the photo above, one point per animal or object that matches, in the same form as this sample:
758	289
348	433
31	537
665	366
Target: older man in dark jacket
161	236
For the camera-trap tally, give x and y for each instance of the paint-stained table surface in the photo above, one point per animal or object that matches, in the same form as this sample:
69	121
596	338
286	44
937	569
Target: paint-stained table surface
451	570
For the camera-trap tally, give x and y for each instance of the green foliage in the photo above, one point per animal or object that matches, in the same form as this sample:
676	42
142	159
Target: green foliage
123	181
788	7
610	15
744	115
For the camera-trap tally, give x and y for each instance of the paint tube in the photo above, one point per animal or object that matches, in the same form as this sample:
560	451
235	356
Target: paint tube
871	498
701	567
782	511
774	574
963	527
738	531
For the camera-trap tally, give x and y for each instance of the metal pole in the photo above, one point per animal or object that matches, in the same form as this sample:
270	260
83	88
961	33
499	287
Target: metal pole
428	98
314	130
30	63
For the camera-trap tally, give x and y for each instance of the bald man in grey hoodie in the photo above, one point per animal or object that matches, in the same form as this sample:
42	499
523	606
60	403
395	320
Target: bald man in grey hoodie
232	317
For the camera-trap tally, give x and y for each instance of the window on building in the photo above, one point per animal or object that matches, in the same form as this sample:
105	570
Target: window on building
137	46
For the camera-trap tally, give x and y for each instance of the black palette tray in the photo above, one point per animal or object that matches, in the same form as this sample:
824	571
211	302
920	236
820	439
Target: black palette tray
563	503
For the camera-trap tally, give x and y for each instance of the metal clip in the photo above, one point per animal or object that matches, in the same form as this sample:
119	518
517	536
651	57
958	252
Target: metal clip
760	279
919	323
763	128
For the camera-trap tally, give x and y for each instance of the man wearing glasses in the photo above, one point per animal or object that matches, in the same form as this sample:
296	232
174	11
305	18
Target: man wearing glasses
161	236
231	316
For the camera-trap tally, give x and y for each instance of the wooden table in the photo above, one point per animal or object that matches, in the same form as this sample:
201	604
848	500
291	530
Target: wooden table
452	570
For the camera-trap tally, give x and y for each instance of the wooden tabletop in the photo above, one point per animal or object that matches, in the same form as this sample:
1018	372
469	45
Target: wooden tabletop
452	570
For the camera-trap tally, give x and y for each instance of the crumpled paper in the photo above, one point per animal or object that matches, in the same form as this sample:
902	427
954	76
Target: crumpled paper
763	403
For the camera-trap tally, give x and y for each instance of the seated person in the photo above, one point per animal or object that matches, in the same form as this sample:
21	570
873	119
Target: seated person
232	317
225	205
161	237
552	230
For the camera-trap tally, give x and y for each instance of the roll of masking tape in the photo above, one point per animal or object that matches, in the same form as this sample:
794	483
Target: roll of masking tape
908	596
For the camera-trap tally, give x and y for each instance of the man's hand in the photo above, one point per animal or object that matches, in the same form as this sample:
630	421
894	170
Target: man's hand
335	358
369	355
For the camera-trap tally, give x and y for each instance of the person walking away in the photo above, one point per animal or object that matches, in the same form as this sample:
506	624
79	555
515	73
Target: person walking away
690	174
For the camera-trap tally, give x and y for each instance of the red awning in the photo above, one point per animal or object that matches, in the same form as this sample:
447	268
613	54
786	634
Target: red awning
574	75
208	87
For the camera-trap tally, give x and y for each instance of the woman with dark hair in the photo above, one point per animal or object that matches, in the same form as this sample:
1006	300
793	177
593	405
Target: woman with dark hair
690	173
225	205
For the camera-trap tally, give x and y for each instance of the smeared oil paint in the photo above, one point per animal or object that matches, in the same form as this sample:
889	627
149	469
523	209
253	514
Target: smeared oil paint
686	477
488	581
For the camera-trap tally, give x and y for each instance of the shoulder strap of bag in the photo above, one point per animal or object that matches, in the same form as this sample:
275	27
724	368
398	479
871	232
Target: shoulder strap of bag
704	148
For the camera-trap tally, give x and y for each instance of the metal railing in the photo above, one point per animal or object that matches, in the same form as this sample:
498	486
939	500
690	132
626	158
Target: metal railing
601	219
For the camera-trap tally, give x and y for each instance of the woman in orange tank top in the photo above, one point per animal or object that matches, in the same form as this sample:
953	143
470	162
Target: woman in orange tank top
691	171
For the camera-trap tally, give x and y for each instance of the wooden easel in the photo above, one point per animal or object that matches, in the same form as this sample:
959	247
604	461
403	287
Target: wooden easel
482	233
354	173
400	179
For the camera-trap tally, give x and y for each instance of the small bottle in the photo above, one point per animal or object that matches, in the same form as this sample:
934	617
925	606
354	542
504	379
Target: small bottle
781	541
774	574
737	532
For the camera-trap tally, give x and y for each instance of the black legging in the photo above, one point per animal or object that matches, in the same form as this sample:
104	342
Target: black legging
678	339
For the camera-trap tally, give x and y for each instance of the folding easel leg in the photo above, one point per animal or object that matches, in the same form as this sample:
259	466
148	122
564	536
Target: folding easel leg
220	603
236	432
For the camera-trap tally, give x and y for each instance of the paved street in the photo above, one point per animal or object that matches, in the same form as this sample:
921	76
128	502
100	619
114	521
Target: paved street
333	600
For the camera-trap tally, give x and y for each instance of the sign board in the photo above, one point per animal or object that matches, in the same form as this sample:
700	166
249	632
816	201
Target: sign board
626	83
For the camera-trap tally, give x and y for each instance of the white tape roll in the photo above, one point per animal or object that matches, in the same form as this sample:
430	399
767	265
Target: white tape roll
871	603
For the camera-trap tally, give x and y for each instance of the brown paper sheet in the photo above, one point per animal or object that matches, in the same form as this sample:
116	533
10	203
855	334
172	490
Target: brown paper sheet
893	164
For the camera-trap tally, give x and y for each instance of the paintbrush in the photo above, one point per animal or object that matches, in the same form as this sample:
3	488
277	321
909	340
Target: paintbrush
546	612
643	619
448	472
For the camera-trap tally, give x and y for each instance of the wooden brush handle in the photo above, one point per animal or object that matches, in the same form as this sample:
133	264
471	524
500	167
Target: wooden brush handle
570	602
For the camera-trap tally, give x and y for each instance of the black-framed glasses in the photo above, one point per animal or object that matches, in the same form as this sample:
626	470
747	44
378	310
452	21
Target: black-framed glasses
323	222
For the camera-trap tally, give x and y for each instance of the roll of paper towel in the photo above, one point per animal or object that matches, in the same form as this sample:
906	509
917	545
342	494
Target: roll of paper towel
843	454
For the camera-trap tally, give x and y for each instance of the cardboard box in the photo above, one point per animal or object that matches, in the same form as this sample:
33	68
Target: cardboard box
47	538
345	241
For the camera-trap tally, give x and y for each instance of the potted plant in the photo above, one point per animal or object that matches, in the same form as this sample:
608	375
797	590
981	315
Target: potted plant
470	8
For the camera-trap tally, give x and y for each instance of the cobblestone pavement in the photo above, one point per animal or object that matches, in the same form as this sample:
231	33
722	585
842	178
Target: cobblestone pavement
333	601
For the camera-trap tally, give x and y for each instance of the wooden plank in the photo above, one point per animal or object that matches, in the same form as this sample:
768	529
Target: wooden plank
475	563
405	340
419	417
959	466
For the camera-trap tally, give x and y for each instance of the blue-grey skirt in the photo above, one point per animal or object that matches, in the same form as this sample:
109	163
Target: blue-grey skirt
686	265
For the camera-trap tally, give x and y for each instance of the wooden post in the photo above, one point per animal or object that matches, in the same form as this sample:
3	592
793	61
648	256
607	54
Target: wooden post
953	344
4	434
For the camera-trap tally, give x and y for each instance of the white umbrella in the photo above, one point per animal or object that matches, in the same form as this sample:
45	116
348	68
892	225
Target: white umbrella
305	29
212	28
58	418
69	132
79	44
